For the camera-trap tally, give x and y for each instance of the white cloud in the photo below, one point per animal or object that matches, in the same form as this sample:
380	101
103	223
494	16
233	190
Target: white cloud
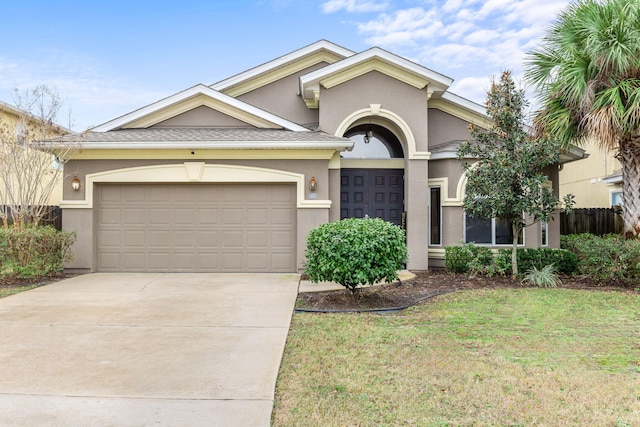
481	36
352	6
464	38
472	88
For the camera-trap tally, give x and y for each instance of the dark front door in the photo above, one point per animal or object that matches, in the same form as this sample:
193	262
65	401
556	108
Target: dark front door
377	193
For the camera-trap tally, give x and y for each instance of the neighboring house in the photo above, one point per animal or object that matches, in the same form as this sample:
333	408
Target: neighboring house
232	177
596	181
15	120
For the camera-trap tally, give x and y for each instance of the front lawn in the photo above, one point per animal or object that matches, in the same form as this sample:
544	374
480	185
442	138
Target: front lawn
489	357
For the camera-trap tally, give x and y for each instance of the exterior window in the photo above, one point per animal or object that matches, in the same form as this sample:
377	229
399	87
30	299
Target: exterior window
485	231
544	234
373	142
616	198
435	217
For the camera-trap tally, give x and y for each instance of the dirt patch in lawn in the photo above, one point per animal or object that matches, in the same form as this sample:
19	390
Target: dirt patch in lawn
424	286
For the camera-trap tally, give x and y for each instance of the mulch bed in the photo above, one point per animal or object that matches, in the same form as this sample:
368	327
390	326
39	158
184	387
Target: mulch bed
423	287
17	282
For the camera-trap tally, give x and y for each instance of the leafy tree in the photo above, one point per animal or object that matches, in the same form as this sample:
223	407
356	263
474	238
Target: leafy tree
355	252
507	180
28	171
587	72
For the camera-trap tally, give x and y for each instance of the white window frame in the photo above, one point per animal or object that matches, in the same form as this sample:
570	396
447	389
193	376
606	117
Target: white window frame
430	207
544	232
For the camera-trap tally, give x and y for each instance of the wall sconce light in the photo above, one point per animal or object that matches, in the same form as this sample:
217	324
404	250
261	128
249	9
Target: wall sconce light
75	184
313	184
367	136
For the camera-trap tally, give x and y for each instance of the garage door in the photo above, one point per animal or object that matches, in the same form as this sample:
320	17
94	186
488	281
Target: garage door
196	228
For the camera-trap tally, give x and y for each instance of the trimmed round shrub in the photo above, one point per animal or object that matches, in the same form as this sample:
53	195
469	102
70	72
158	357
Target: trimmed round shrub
355	252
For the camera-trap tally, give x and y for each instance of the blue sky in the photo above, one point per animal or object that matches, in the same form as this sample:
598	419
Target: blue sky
108	58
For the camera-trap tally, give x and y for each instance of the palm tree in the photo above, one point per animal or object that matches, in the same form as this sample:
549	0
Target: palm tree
587	73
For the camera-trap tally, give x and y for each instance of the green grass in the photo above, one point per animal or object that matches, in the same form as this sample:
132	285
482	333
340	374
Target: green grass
501	357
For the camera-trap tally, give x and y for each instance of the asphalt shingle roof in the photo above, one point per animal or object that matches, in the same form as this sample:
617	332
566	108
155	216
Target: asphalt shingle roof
179	134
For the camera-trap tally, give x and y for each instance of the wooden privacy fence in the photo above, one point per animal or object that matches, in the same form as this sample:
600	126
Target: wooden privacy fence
53	216
598	221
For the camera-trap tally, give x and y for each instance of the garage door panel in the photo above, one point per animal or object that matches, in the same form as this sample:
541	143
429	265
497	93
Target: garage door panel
231	216
134	194
208	239
158	238
212	227
207	261
208	216
134	216
233	261
232	239
156	193
282	217
110	238
258	216
257	261
184	216
158	216
230	194
133	261
183	261
282	239
110	261
257	239
282	261
184	239
109	216
134	239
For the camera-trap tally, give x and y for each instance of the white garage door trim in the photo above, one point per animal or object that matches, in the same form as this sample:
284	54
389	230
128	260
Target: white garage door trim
189	172
226	227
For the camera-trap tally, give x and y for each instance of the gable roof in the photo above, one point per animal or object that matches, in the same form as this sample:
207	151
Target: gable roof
364	62
194	97
210	138
320	51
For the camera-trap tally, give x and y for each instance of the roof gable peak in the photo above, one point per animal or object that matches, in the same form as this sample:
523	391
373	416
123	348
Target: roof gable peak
193	97
320	51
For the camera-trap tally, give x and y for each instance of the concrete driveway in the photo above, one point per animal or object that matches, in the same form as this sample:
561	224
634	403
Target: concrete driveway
145	349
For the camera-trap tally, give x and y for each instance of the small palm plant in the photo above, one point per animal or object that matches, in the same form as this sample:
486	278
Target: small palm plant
546	277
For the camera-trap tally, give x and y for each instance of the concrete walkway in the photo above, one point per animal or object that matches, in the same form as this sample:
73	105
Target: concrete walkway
145	349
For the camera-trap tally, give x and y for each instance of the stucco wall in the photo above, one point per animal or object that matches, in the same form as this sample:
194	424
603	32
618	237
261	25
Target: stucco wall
282	98
443	127
375	88
202	116
584	178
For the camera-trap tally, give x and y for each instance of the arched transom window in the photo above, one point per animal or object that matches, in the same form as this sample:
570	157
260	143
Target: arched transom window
373	142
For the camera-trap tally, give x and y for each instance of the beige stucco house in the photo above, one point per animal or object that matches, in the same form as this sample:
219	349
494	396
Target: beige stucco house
596	181
233	176
15	124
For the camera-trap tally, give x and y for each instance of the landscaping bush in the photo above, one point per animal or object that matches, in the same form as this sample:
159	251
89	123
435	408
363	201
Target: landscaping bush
565	262
34	251
355	252
470	258
545	277
605	258
473	259
458	258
